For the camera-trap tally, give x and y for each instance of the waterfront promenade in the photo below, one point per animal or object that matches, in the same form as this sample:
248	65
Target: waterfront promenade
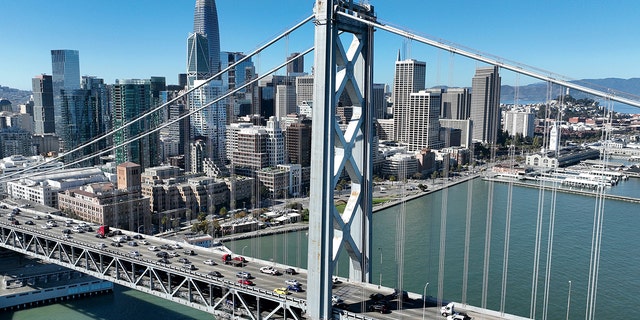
395	195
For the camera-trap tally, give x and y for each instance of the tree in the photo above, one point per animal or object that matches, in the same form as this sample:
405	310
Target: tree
188	214
417	175
202	217
305	214
435	175
164	221
223	211
175	224
392	178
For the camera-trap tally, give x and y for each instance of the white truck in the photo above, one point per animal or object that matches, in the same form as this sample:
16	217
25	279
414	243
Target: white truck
449	312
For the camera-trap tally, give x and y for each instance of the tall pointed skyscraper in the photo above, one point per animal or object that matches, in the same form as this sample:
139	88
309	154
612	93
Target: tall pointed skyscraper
205	22
203	61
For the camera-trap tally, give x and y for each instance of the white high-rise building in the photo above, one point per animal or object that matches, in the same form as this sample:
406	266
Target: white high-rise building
410	77
522	122
422	127
285	101
275	143
209	122
304	90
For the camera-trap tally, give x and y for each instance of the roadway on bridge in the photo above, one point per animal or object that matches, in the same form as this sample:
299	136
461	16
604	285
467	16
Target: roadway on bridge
356	296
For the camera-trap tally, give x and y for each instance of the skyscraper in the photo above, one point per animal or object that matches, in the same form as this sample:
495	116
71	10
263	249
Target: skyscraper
65	66
379	101
455	104
485	104
204	42
131	98
410	77
296	66
43	113
422	127
205	22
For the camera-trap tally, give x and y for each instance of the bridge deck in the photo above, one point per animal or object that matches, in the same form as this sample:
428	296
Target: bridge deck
196	287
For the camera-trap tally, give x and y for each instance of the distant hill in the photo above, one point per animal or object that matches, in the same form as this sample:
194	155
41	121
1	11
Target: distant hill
538	91
14	95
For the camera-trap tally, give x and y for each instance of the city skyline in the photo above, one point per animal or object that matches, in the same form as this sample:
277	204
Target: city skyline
580	40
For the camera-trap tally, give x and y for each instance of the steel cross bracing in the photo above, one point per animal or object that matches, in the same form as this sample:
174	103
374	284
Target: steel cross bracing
197	290
340	70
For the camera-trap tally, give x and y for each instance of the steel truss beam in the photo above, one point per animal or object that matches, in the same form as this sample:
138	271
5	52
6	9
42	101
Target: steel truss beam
192	289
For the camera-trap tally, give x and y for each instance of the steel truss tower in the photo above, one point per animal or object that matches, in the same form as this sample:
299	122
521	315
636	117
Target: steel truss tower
343	65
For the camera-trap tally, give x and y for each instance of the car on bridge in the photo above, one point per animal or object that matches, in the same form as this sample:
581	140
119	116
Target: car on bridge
189	266
379	306
145	242
458	316
297	288
184	260
245	282
336	299
244	275
162	254
29	222
173	254
135	253
215	274
210	262
283	291
292	282
269	270
290	271
153	248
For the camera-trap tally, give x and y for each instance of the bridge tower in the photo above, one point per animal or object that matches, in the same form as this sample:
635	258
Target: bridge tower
343	72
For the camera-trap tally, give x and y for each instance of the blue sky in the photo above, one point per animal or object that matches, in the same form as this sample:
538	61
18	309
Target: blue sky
143	38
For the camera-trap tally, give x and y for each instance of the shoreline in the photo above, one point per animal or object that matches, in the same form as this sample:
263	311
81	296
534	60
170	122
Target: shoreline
396	199
416	195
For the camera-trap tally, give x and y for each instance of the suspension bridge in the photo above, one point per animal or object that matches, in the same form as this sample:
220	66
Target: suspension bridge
343	64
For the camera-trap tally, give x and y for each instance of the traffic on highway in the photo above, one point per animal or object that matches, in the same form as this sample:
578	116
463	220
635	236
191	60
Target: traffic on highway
221	266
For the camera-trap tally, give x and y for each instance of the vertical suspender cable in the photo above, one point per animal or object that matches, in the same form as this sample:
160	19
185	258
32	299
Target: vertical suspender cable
507	229
539	219
443	231
552	217
596	238
493	141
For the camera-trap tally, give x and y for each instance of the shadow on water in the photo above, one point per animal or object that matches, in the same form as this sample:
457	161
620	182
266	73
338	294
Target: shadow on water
131	304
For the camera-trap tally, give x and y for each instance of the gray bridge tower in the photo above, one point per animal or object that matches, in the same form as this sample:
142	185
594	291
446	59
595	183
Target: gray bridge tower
343	69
